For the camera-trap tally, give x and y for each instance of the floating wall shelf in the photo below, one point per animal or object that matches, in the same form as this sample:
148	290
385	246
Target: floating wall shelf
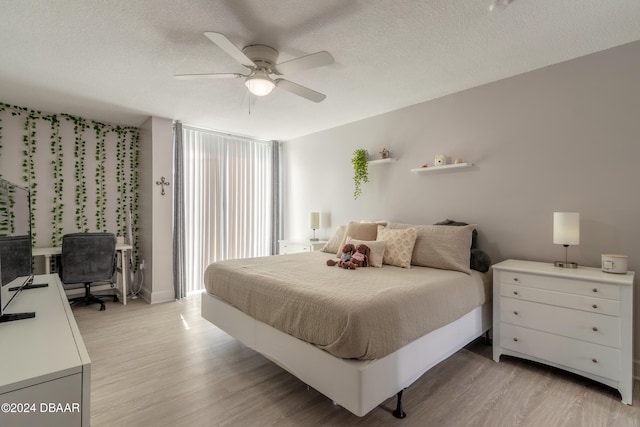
441	168
381	161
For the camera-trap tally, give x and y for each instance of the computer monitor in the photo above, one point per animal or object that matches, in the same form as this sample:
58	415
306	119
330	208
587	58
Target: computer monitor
15	246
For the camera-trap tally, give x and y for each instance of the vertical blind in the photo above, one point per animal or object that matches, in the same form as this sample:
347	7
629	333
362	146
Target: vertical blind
230	203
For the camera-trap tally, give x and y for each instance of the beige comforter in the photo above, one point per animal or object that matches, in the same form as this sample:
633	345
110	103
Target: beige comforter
363	314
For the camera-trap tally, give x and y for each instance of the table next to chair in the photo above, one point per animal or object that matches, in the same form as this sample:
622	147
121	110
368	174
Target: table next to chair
121	249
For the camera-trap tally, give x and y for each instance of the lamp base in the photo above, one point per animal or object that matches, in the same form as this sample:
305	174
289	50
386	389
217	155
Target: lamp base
565	264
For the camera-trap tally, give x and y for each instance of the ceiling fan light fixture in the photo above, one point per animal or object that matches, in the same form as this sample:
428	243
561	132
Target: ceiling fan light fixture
259	83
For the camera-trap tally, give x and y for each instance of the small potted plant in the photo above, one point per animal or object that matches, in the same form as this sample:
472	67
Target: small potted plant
360	171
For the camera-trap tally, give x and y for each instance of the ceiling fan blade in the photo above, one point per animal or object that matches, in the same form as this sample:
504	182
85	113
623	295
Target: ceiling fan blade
317	59
207	76
299	90
225	44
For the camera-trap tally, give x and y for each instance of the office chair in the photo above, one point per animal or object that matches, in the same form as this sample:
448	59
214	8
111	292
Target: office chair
87	258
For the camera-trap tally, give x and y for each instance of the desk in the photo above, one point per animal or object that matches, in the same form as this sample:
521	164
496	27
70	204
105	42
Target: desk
44	360
121	248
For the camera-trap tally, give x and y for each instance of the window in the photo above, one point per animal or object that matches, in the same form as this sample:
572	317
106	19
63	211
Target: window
230	199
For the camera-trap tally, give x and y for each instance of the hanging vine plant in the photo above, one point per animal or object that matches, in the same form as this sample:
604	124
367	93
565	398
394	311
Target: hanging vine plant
101	192
2	108
120	179
79	154
360	171
29	170
134	166
57	209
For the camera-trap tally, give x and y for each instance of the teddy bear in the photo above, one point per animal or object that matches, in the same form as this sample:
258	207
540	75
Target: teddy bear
345	258
361	257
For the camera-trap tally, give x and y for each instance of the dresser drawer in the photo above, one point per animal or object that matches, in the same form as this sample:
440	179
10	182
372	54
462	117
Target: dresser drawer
562	299
294	248
593	289
567	352
581	325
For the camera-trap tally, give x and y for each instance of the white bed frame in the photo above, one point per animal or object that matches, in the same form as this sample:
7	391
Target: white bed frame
357	385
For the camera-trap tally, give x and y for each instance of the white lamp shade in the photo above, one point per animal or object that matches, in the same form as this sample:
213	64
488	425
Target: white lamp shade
566	228
314	220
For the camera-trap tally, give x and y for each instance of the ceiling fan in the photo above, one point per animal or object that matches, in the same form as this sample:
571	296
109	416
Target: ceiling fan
260	60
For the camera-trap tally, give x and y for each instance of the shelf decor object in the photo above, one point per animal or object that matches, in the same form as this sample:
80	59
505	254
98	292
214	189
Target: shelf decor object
314	224
566	231
430	169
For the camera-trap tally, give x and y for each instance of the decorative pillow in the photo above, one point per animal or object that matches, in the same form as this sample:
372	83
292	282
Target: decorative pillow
453	222
444	247
480	260
377	250
359	231
333	245
400	245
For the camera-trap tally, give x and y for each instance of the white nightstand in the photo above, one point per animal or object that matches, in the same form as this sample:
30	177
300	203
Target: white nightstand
294	246
580	320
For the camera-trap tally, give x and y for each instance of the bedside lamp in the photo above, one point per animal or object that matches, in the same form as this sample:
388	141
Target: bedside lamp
314	224
566	231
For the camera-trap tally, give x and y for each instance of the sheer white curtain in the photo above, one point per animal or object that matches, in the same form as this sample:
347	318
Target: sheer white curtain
229	199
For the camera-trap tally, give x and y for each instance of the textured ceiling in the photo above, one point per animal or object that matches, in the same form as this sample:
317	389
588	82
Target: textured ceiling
114	60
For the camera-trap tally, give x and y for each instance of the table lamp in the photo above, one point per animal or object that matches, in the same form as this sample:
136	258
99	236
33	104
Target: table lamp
314	224
566	231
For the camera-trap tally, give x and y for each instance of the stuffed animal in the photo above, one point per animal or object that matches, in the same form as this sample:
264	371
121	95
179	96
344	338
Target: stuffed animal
361	257
345	258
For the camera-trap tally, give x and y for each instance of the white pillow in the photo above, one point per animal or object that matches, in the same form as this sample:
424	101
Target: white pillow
377	250
333	245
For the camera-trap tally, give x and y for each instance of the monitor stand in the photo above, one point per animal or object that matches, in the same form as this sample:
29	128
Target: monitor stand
10	317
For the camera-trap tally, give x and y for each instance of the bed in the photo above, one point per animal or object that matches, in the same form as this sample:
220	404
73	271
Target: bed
357	336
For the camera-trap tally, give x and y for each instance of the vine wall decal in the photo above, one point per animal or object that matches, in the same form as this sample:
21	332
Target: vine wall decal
101	181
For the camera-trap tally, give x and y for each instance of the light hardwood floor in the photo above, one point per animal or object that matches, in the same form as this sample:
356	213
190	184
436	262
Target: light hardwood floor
163	365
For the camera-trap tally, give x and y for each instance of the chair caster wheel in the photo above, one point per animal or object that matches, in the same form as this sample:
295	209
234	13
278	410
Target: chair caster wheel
102	308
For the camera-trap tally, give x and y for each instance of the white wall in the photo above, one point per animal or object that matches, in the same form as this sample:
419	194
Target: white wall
156	238
562	138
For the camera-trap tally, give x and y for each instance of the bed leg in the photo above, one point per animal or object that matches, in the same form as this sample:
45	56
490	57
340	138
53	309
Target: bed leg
487	338
399	413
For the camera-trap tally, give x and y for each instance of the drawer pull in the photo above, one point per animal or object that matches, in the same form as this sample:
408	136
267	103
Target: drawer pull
515	312
515	292
515	279
594	360
595	329
595	289
515	339
595	306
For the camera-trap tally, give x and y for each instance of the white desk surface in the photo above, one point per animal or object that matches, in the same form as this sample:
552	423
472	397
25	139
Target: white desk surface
43	348
57	250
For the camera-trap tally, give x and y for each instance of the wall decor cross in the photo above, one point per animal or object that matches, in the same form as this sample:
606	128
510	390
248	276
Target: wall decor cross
162	183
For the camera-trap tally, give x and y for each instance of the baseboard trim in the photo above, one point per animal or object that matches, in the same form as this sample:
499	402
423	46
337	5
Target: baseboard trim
157	297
